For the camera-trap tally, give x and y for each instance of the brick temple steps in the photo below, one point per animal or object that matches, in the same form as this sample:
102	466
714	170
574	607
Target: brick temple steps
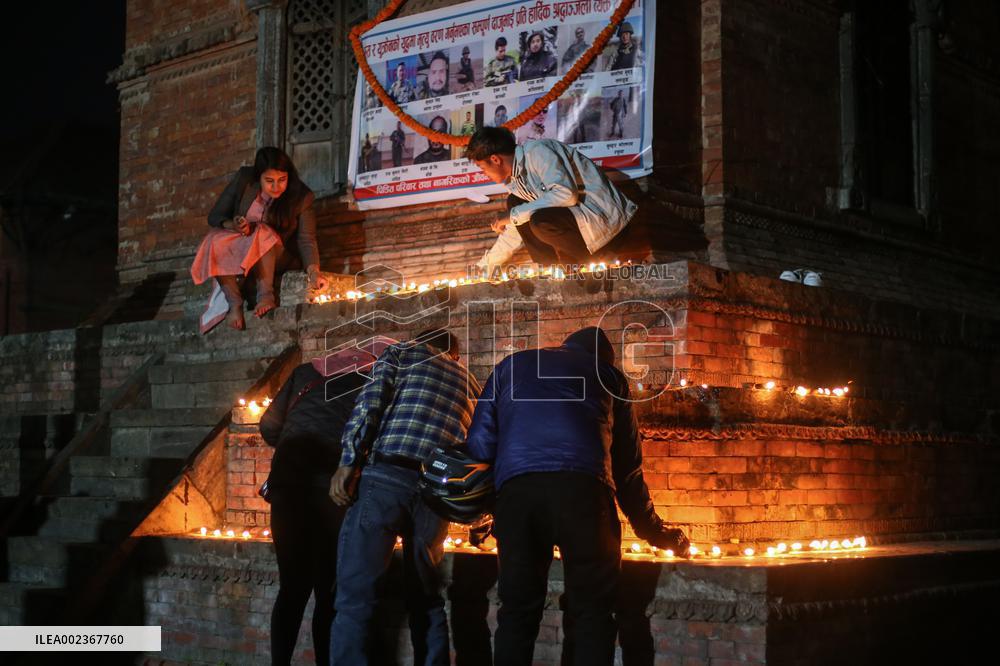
113	487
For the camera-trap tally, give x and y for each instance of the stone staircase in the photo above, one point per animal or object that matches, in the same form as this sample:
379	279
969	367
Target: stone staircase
81	525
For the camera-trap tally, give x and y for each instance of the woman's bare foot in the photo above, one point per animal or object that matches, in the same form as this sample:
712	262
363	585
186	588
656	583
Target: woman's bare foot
236	319
264	306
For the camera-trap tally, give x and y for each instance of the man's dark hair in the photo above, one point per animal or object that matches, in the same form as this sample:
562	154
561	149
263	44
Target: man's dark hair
501	41
438	55
439	338
490	141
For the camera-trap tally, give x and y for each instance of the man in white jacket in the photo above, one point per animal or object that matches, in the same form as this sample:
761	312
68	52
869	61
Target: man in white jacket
561	206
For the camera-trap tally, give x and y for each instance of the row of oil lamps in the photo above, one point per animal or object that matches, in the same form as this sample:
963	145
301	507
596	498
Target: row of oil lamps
799	390
523	272
255	408
636	550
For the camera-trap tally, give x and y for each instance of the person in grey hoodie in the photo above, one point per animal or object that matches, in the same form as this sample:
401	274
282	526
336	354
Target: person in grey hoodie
561	206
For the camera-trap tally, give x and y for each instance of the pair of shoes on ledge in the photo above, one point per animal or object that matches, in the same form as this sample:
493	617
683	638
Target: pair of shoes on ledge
806	276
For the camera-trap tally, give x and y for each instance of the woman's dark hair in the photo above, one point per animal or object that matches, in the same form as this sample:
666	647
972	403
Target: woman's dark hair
270	157
490	141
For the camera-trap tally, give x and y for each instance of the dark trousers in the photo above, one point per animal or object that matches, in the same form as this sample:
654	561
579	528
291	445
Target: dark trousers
305	525
576	512
552	236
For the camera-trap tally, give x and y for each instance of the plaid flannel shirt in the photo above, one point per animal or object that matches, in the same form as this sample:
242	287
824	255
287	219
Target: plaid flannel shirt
417	399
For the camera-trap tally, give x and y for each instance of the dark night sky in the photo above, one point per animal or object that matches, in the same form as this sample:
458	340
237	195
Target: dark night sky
58	58
59	117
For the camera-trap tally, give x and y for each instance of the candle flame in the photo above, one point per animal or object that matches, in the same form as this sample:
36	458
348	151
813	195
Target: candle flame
769	386
217	533
716	551
796	546
266	532
670	553
748	552
246	534
684	382
801	390
782	547
636	548
230	533
204	531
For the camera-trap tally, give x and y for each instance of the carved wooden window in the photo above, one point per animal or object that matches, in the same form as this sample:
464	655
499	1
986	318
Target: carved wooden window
321	77
886	115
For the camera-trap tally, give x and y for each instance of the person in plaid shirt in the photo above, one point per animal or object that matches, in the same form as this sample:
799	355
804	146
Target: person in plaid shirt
419	397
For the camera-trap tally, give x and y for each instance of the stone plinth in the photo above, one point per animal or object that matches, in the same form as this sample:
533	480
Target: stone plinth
886	604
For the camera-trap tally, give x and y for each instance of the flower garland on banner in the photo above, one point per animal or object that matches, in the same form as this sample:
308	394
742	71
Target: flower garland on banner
517	121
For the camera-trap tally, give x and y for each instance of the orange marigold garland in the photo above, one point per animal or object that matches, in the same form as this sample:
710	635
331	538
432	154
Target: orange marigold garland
517	121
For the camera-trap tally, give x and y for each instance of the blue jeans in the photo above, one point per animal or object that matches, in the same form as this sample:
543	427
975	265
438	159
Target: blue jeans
388	506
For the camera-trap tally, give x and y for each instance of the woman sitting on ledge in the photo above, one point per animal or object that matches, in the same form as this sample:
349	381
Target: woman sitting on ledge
263	222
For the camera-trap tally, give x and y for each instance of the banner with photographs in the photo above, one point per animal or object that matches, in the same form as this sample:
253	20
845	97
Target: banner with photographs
479	63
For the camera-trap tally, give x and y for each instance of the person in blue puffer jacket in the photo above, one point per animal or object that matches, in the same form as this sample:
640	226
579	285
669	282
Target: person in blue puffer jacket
558	426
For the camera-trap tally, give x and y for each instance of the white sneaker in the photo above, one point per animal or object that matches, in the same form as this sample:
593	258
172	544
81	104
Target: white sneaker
790	276
812	279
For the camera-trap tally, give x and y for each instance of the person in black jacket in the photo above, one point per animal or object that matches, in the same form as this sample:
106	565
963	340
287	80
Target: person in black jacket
304	423
558	426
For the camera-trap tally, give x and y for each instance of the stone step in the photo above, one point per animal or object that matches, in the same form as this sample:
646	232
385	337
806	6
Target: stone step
200	394
238	369
90	519
51	563
24	603
166	418
121	479
175	442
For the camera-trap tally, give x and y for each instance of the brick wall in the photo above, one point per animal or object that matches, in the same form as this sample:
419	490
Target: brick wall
187	91
248	462
967	97
731	461
781	102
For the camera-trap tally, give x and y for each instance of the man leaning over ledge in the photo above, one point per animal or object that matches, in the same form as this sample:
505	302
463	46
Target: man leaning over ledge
561	205
558	425
420	397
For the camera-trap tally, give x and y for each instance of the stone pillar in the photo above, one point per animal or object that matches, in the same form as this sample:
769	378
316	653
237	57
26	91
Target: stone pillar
271	44
712	182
